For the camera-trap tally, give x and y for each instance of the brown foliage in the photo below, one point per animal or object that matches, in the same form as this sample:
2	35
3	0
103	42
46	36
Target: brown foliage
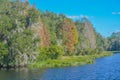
45	36
90	34
68	35
43	33
74	32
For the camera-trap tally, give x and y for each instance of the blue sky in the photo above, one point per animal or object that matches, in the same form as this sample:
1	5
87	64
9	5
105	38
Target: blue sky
104	14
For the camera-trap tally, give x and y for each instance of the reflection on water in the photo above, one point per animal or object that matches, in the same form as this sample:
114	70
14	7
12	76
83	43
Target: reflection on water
21	74
107	68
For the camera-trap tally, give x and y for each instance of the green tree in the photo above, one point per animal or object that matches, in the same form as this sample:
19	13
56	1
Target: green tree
51	52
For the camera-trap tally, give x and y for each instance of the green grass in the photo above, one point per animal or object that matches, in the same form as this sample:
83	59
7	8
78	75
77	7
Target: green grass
114	52
103	54
69	61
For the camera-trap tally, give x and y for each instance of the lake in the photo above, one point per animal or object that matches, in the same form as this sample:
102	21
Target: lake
107	68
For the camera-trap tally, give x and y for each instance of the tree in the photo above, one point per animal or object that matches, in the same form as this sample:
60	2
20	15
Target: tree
114	42
16	38
68	39
51	52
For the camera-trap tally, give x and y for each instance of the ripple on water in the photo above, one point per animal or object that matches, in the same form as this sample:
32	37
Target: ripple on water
107	68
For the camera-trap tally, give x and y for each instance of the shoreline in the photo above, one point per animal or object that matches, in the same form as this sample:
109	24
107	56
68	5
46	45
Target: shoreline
67	61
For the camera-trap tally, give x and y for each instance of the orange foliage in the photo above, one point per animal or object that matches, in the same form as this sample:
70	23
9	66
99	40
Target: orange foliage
45	37
74	32
68	35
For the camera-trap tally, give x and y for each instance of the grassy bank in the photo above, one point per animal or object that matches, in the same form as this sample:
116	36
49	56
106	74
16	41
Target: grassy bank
69	61
114	52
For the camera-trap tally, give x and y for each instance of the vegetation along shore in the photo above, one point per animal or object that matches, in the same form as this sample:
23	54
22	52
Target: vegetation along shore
33	38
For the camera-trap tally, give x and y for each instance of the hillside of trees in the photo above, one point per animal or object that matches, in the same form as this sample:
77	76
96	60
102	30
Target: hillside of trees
114	42
28	35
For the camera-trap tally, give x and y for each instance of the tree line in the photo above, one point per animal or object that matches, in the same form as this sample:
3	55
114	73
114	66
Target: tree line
28	35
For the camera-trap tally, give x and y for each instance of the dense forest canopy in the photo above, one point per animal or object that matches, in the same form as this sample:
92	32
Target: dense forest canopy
114	42
28	35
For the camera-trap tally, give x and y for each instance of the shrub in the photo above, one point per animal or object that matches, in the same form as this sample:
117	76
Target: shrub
51	52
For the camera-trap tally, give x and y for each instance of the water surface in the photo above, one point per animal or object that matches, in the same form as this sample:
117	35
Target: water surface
107	68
